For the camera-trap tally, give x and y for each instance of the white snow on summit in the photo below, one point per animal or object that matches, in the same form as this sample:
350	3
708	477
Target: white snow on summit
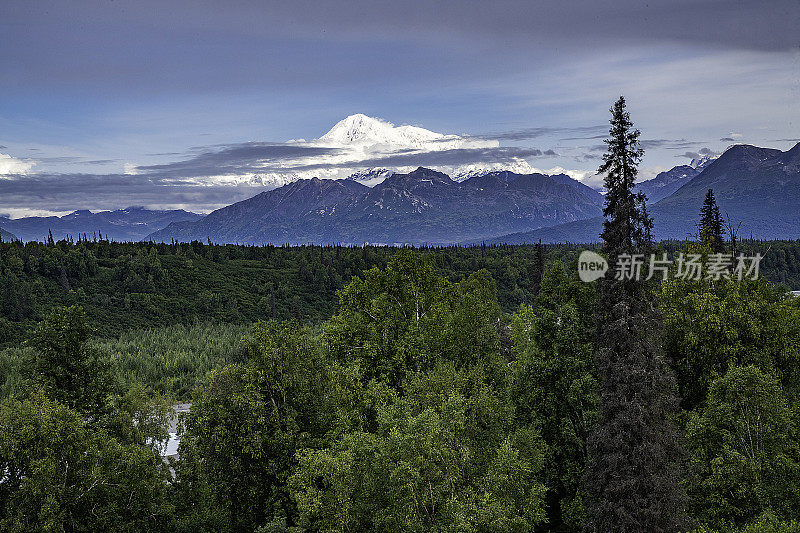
366	138
378	135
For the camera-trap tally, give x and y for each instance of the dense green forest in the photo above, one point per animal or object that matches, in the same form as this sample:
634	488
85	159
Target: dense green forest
420	404
124	286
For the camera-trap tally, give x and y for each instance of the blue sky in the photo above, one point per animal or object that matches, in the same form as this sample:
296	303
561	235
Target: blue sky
100	88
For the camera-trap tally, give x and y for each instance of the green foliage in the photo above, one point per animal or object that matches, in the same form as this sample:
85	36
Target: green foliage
443	457
419	405
711	226
766	523
127	286
434	445
626	223
406	317
709	326
632	480
555	387
745	450
245	425
16	371
63	364
61	475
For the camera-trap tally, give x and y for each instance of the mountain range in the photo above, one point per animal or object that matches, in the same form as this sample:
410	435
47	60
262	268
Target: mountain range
422	206
757	189
131	224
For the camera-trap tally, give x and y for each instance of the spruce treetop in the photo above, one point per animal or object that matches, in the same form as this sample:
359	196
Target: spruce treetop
627	225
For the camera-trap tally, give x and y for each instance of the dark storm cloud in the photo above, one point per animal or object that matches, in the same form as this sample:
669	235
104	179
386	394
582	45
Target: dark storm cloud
185	45
236	159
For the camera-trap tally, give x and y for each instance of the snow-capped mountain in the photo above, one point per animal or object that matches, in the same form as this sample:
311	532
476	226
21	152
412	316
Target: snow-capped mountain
360	139
367	148
374	176
379	135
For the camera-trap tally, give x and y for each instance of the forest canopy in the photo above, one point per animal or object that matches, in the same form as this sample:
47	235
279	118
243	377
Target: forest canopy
421	404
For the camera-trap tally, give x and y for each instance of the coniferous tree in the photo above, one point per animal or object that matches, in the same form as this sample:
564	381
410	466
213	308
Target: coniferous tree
632	480
538	268
711	226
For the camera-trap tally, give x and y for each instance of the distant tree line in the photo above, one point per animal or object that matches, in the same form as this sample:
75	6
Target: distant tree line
142	285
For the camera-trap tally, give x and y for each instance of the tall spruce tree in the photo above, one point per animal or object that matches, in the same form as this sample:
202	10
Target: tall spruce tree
711	226
632	480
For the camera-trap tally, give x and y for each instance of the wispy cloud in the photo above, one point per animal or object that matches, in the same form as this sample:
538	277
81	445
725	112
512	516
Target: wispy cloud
245	158
703	152
668	144
60	193
525	134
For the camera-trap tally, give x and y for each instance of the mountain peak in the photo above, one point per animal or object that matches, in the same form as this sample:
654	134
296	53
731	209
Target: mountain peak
748	149
361	129
421	177
794	150
424	172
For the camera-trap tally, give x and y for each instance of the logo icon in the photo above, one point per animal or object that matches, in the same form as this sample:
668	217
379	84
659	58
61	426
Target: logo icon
591	266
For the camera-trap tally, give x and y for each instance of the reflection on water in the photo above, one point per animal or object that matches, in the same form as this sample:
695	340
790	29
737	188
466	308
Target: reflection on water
172	444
